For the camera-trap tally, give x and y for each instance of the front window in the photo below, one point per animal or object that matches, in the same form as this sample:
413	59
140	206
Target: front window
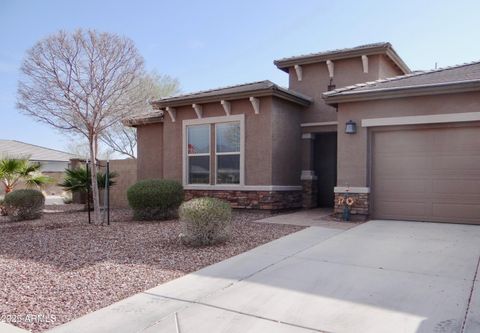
198	154
213	149
227	153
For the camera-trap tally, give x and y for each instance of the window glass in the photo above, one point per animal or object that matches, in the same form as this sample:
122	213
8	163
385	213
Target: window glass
199	139
228	169
199	169
228	137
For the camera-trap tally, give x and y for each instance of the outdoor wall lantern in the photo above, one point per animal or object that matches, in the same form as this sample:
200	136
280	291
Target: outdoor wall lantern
351	127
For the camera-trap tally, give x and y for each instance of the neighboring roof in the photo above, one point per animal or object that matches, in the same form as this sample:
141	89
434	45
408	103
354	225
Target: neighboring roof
255	89
150	117
464	77
13	148
357	51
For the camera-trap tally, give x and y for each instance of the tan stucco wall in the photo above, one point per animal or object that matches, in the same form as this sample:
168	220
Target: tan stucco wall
258	143
386	69
126	176
315	80
353	149
149	151
286	134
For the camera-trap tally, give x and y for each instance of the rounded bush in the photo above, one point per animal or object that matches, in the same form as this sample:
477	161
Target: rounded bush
155	199
24	204
205	221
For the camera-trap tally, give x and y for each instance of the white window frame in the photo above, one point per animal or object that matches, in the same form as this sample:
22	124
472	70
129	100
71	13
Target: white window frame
209	154
213	120
227	153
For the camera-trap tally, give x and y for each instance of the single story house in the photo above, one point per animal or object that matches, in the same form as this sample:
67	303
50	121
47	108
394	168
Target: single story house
403	145
53	162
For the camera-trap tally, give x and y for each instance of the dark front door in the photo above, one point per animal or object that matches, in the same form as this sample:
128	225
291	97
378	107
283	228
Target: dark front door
326	167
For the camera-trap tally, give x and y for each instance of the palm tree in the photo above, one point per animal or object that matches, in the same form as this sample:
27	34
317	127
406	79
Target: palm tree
14	170
78	179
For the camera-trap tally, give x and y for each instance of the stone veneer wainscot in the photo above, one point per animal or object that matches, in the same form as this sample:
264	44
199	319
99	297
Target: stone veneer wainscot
268	200
360	208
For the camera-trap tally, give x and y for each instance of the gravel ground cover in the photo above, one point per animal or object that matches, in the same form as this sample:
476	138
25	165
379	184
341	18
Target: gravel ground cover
60	266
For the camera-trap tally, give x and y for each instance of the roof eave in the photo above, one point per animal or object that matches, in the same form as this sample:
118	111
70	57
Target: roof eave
310	59
272	91
397	60
399	92
142	121
387	49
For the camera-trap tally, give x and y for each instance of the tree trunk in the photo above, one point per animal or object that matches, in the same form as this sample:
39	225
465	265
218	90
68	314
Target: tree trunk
97	218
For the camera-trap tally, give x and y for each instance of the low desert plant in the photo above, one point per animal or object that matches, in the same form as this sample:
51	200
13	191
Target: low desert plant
155	199
24	204
205	221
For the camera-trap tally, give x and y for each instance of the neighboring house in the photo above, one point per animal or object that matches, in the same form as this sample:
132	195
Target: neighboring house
54	162
404	145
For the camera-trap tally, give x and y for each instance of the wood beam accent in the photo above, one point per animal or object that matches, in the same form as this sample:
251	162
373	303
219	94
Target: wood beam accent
365	63
198	110
227	107
330	68
298	70
172	113
256	104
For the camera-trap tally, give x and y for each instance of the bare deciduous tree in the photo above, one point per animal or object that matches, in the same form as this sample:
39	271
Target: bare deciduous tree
122	139
81	83
79	147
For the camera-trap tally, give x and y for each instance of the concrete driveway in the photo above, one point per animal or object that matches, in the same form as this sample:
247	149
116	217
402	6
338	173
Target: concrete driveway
381	276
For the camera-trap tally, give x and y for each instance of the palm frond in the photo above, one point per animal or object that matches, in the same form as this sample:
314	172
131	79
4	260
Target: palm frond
38	180
78	179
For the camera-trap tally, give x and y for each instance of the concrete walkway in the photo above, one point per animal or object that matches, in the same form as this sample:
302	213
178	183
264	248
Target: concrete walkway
381	276
318	217
8	328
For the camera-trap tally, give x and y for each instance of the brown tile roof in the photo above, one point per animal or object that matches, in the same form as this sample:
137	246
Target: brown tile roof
150	117
459	74
373	48
260	88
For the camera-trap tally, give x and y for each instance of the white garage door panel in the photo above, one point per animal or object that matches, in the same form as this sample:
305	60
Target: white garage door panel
427	174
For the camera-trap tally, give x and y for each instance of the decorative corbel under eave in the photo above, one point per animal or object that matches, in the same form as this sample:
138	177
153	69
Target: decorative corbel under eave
330	68
226	107
256	104
172	113
198	110
298	70
365	63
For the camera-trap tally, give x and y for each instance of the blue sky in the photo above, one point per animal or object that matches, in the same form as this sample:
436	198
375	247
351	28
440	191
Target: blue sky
208	44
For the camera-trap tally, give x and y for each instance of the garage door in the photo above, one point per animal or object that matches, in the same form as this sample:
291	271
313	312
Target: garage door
427	174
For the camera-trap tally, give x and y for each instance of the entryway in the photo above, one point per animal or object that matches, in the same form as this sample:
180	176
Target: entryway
325	164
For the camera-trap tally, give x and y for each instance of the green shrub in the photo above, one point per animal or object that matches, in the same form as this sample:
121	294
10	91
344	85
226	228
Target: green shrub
155	199
205	221
24	204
